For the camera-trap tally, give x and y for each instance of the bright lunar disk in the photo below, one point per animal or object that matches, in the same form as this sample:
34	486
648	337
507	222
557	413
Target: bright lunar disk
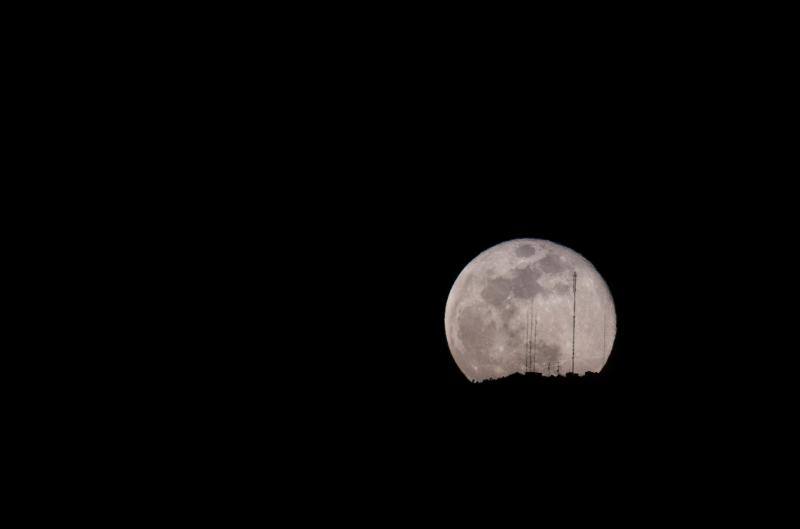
529	305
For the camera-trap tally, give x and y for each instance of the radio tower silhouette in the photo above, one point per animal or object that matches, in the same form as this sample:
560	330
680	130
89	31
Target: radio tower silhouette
527	330
530	343
574	298
527	339
535	323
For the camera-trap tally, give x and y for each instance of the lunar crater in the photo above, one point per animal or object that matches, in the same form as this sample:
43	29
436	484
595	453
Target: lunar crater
525	284
551	264
525	250
496	291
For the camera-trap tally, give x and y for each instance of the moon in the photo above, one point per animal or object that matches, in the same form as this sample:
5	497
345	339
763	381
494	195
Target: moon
529	306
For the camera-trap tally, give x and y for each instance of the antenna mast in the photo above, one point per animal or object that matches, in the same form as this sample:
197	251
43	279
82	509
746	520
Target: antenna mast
527	339
530	317
535	323
574	298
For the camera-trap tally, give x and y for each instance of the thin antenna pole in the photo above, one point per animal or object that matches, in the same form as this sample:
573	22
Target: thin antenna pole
535	324
574	299
532	343
527	337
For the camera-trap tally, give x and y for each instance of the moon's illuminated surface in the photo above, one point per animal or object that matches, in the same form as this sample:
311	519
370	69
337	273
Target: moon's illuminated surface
512	310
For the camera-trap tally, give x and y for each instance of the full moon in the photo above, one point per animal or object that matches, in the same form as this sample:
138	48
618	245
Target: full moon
529	306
